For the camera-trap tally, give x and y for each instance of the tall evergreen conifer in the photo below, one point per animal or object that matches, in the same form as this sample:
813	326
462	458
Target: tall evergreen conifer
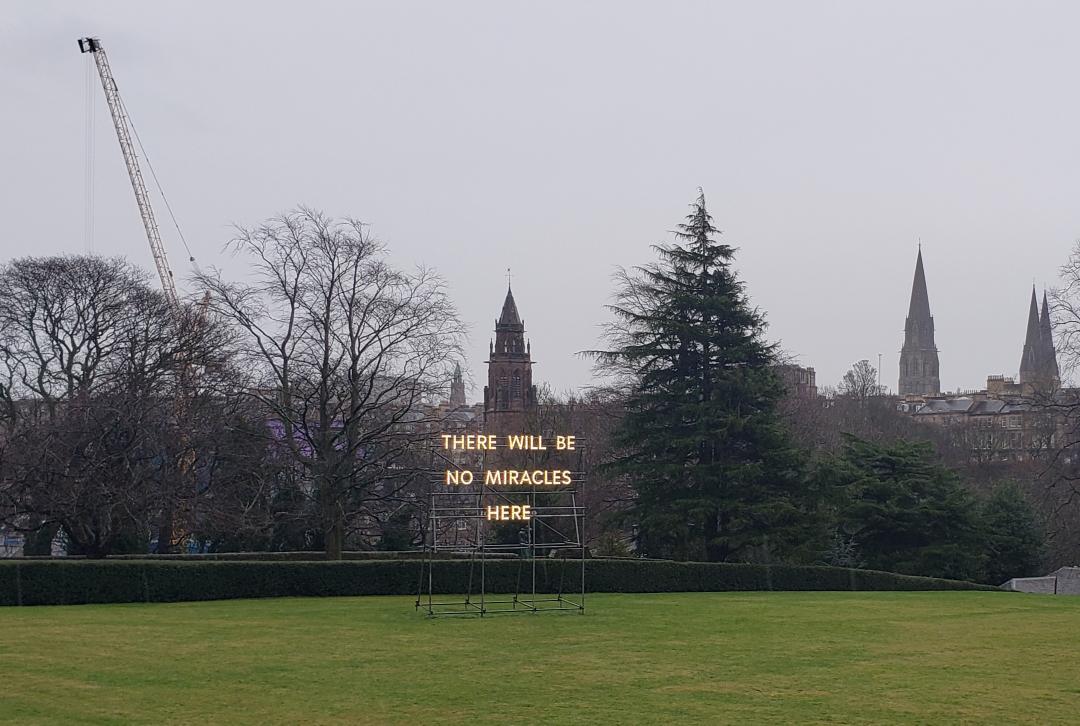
904	510
1011	534
714	473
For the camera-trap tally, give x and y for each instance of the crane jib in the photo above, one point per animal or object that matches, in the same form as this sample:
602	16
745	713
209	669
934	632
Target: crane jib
123	134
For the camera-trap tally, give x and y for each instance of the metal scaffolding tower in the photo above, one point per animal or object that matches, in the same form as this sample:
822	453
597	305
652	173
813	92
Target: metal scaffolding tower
538	568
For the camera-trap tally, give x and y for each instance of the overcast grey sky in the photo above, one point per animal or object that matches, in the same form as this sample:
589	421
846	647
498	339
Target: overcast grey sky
562	139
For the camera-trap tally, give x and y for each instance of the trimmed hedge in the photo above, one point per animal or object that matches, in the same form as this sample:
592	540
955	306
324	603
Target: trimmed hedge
58	582
300	556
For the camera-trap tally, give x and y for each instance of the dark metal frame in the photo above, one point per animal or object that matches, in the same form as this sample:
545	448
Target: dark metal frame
463	509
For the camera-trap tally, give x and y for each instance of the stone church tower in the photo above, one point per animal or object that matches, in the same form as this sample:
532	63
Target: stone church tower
919	357
510	392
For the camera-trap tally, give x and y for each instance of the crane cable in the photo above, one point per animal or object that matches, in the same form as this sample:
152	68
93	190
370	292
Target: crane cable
157	183
90	154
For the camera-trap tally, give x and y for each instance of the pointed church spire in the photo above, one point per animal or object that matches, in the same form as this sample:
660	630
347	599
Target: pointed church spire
1029	360
1047	353
920	300
919	373
509	314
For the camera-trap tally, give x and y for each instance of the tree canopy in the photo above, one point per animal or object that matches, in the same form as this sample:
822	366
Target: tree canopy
714	474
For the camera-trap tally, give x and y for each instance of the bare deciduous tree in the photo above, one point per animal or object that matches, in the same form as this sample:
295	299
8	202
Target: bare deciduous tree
592	417
93	436
95	440
341	351
1061	475
860	382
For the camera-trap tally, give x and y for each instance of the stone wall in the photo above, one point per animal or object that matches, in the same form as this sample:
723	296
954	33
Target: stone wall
1065	581
1040	585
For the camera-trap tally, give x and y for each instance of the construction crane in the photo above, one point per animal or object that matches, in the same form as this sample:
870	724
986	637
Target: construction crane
188	375
123	134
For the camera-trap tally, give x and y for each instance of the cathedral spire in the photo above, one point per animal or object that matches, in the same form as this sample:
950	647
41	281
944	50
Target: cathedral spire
1029	360
919	308
919	357
1048	354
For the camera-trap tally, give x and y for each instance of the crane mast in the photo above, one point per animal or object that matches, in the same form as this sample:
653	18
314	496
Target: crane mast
131	160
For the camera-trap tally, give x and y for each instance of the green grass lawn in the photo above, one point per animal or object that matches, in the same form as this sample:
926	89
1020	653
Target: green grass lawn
685	658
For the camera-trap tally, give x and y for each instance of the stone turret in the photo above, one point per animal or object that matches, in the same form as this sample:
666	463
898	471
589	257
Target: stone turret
457	388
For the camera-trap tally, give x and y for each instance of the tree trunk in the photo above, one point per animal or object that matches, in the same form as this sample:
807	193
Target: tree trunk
715	550
165	532
334	528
